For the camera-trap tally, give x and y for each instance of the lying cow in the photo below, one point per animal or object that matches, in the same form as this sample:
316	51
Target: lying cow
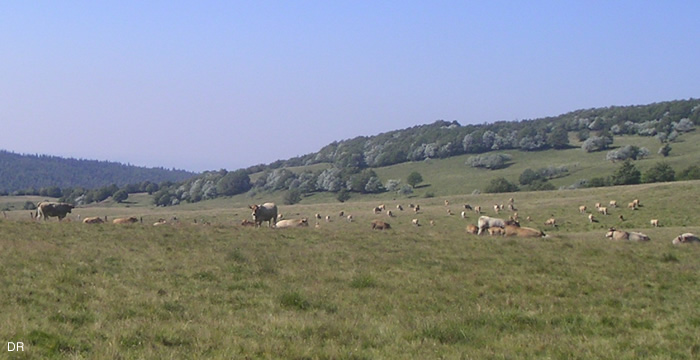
685	239
496	231
292	223
245	222
47	209
512	230
128	220
472	229
624	235
380	225
265	212
93	220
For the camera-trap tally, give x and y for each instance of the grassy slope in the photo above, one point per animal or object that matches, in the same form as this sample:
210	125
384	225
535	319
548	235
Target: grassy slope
344	291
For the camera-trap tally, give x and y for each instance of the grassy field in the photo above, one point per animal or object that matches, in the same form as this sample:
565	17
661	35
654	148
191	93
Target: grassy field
343	291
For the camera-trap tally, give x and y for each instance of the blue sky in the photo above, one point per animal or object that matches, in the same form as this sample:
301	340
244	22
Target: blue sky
207	85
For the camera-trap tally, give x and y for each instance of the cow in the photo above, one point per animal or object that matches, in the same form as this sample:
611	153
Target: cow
636	203
496	231
447	202
349	218
467	207
654	222
551	222
624	235
265	212
496	208
162	221
389	213
464	214
245	222
512	230
328	218
93	220
592	219
685	239
477	209
292	223
341	213
432	222
632	206
582	209
486	222
449	212
415	222
318	216
47	209
603	210
376	210
380	225
416	209
399	207
613	203
511	207
472	229
127	220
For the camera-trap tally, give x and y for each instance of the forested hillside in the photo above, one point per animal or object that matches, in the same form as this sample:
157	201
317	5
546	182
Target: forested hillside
29	173
347	166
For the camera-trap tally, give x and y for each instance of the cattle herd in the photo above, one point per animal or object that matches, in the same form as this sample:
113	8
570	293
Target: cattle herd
494	226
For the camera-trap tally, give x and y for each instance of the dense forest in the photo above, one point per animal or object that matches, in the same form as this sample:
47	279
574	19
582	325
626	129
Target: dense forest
349	163
30	173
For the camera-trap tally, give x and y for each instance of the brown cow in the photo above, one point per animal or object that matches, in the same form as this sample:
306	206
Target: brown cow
472	229
380	225
47	209
245	222
512	230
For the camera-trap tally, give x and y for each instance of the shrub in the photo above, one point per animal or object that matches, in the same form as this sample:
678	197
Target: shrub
692	172
489	161
660	172
500	185
292	197
626	174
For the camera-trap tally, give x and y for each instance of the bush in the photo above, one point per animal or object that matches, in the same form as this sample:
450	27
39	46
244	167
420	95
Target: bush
120	196
541	185
692	172
489	161
292	197
626	174
500	185
659	173
414	179
343	195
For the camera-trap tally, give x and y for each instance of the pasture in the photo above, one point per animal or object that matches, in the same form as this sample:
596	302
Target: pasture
343	291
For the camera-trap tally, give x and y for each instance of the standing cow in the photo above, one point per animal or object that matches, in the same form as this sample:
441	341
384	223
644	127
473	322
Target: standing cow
265	212
47	209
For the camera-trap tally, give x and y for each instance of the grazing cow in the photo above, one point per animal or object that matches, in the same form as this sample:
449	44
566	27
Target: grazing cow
591	218
380	225
265	212
512	230
582	209
464	215
389	213
245	222
349	218
636	203
292	223
511	200
603	210
624	235
415	222
449	212
93	220
467	207
632	206
597	205
399	207
382	207
496	231
486	222
341	214
613	203
622	218
472	229
514	217
432	222
551	222
127	220
447	202
416	209
685	239
47	209
376	210
328	218
477	209
496	208
318	216
654	222
511	207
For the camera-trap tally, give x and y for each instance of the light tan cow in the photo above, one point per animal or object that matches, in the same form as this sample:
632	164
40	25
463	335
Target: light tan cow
496	231
654	222
603	210
127	220
447	202
349	218
685	239
591	218
415	222
632	206
477	209
582	209
389	213
613	203
624	235
551	222
292	223
93	220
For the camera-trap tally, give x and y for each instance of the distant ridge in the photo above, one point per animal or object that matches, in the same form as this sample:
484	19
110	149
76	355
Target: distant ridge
22	171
